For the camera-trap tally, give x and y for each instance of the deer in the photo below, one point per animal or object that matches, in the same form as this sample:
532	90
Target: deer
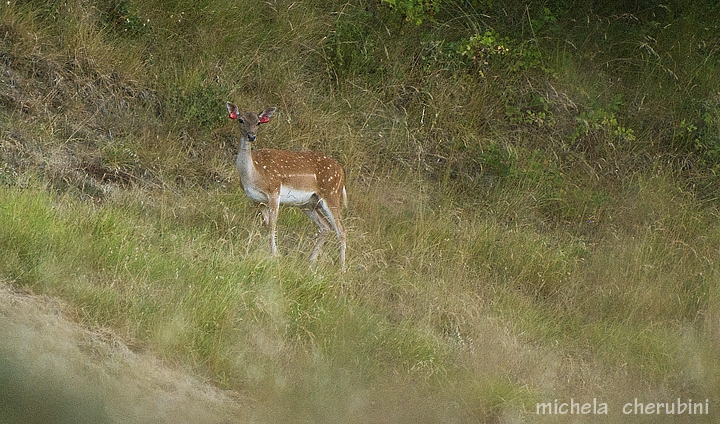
310	181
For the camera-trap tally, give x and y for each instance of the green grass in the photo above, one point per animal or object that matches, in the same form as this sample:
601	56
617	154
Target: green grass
536	224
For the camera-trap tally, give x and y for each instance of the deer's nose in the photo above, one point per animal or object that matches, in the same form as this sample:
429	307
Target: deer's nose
251	136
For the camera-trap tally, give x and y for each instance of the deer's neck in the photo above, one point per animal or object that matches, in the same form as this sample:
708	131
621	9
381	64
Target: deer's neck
249	177
244	162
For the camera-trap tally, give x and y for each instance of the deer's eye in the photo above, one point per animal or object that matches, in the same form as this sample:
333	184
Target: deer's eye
242	121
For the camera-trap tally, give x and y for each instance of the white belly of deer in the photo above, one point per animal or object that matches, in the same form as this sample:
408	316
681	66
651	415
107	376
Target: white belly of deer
256	195
293	196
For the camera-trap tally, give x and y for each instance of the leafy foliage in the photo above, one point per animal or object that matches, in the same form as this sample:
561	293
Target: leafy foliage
416	11
699	135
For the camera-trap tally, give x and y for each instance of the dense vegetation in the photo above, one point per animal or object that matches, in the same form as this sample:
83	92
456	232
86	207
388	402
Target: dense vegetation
532	185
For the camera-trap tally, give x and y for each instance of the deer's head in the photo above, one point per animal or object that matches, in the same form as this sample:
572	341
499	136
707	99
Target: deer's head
249	121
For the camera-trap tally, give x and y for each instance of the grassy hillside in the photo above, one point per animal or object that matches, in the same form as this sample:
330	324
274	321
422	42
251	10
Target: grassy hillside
533	198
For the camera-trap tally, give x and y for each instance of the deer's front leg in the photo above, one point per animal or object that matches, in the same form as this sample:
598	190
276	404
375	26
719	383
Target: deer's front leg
270	216
263	210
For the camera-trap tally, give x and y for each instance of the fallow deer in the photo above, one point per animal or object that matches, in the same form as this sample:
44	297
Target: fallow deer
311	181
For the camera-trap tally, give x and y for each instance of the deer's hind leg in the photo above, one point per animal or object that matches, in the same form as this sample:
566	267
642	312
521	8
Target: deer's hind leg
323	226
331	214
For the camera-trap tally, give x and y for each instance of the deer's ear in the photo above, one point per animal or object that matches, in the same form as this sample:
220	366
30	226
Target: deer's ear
266	114
232	110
